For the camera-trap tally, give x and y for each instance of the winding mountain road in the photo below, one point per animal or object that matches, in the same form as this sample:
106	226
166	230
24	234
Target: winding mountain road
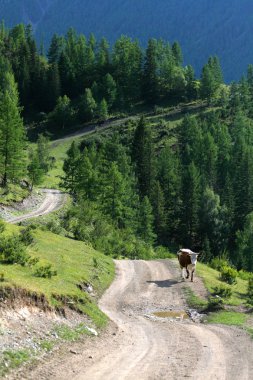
54	200
145	347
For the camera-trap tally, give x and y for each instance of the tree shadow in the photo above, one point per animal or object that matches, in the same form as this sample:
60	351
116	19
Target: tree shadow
164	284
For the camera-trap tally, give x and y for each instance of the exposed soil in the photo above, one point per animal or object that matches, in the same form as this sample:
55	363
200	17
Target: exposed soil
42	203
138	345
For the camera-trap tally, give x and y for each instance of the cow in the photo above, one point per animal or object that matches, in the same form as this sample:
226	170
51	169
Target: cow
188	261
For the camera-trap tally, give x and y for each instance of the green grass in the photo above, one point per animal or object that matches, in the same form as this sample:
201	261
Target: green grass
74	263
13	193
58	151
230	318
71	334
211	278
13	359
193	300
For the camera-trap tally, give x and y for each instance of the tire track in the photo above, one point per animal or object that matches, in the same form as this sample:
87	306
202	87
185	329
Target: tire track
53	201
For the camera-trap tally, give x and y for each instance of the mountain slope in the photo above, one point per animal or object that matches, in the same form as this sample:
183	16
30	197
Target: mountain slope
202	28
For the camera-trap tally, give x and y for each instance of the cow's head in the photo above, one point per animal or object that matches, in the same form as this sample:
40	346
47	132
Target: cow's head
194	257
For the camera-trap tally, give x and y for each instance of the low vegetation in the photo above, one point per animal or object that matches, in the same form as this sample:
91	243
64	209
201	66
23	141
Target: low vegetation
59	265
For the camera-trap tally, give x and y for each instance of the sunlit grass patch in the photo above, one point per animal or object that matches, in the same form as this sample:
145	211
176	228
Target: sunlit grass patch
228	318
211	279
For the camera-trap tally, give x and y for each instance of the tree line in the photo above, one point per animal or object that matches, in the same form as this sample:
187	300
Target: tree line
81	78
197	192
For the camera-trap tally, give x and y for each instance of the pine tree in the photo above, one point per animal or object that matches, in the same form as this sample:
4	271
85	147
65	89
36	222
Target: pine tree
70	180
87	177
146	222
43	152
53	86
143	156
190	205
62	115
109	90
208	84
150	75
55	49
114	194
12	142
102	111
177	53
158	204
87	106
35	172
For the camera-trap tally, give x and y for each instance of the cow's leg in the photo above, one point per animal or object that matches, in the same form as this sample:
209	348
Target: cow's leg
182	269
192	275
187	272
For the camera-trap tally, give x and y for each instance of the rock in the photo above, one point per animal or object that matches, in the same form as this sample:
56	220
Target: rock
73	352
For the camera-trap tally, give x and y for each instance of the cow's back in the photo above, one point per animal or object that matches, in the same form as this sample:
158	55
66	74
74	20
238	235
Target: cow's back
184	259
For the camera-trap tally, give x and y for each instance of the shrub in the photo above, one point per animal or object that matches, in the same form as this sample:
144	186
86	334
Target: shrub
215	303
244	275
45	271
217	263
26	236
2	226
95	262
222	291
54	226
13	251
33	261
250	291
228	275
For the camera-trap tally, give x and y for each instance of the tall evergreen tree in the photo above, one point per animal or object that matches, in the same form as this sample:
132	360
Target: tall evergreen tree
150	75
70	180
12	142
146	222
143	156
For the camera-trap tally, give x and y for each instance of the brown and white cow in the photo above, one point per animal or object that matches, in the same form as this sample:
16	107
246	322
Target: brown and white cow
188	261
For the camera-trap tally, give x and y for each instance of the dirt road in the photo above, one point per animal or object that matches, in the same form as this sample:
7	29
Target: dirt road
53	200
144	347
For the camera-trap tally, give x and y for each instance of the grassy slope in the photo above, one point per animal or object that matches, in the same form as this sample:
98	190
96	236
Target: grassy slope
211	279
75	263
231	315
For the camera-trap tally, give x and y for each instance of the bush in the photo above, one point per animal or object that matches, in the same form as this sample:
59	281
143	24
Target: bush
244	275
215	303
163	253
2	226
228	275
26	236
45	271
217	263
222	291
250	291
54	226
13	251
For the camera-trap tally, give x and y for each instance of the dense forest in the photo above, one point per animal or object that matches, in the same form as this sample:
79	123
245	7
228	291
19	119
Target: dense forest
220	28
131	193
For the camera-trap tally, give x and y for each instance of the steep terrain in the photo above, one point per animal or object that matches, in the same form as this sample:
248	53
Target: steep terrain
202	28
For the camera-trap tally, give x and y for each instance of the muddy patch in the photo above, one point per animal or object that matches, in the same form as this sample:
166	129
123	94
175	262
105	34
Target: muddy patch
172	314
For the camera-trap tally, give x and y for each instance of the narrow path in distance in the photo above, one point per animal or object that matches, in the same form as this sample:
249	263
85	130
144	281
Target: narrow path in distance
54	200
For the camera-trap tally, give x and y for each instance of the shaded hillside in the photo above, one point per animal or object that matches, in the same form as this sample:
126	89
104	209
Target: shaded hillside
223	28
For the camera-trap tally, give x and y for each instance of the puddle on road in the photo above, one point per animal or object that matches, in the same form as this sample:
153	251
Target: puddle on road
172	314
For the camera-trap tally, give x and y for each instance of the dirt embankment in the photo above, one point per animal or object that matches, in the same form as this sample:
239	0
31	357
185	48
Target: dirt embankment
139	345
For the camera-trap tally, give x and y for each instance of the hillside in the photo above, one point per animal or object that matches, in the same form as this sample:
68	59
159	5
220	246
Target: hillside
223	28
